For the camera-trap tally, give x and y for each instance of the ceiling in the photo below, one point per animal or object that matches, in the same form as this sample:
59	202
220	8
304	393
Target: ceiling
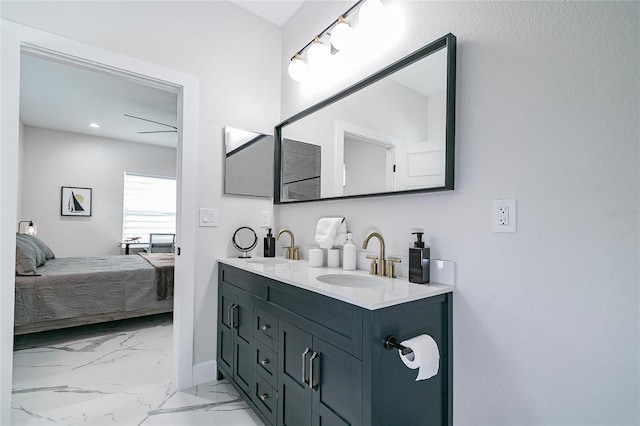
68	97
276	11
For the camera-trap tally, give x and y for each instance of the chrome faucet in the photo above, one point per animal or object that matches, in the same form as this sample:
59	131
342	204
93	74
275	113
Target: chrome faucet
292	252
380	265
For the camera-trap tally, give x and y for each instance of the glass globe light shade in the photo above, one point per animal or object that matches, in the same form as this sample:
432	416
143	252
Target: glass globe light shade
371	12
341	35
318	54
297	68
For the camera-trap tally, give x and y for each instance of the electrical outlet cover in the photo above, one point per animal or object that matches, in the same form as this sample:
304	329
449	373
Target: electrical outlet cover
504	215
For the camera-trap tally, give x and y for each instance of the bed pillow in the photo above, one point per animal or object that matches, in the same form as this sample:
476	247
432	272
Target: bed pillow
44	249
28	257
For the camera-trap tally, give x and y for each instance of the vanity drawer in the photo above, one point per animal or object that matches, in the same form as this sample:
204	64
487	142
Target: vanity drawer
265	398
265	327
266	363
246	281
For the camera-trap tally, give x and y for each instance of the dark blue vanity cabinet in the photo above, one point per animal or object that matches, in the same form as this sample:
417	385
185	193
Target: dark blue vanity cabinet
301	358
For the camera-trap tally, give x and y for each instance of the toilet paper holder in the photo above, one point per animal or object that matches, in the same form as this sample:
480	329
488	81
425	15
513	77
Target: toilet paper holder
391	343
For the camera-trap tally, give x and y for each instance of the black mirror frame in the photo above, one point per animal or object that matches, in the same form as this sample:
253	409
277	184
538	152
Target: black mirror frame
448	41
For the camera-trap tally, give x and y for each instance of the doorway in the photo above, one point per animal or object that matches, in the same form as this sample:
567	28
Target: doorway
17	38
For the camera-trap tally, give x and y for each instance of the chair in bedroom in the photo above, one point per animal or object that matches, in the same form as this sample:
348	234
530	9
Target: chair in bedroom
161	243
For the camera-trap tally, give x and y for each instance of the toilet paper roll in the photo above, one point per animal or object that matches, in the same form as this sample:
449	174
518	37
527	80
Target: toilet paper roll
425	356
315	258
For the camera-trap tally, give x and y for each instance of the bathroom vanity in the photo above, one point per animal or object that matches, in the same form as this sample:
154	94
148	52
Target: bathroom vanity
305	352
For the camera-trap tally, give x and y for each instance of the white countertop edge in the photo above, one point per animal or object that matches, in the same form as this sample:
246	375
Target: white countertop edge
299	274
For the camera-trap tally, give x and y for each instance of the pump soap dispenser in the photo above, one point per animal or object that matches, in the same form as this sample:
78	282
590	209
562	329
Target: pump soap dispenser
269	245
419	261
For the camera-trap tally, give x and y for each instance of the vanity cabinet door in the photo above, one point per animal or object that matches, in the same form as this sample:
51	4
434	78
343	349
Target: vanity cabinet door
235	335
337	382
243	368
319	384
294	397
225	330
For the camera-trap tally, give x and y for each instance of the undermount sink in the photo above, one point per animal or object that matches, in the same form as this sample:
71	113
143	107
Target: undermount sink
352	280
267	261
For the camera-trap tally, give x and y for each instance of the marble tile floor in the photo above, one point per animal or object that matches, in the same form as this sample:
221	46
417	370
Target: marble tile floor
114	374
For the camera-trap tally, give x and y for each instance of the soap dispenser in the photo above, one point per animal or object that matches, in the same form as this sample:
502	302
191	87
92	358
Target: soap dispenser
349	254
269	245
419	261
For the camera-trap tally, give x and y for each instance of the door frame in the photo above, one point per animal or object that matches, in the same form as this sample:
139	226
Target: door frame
343	128
16	38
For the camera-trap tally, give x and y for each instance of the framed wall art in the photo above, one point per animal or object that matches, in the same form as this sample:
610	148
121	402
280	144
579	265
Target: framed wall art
75	201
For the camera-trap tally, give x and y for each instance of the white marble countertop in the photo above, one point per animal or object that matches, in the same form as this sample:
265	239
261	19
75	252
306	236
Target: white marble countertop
298	273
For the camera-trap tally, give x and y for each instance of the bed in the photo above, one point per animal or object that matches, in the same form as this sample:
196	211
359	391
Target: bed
53	293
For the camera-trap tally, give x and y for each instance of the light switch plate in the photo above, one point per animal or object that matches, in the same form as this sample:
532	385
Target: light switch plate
504	215
208	217
265	219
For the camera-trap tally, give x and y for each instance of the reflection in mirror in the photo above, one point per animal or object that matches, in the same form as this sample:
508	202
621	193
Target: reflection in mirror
393	132
248	166
300	170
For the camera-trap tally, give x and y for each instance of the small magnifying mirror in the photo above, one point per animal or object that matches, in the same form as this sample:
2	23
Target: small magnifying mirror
244	240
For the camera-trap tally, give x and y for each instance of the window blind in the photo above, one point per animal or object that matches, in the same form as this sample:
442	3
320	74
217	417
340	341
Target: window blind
149	206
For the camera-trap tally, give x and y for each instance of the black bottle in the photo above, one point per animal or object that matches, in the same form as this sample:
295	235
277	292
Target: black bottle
419	261
269	245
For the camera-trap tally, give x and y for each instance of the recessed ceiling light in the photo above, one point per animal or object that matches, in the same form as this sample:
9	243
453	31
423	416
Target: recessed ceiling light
94	125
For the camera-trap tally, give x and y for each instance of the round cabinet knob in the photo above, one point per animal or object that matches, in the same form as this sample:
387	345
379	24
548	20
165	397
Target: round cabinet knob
265	327
264	396
264	362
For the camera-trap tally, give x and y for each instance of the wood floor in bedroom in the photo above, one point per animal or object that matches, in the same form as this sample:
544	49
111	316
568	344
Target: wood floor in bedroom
114	374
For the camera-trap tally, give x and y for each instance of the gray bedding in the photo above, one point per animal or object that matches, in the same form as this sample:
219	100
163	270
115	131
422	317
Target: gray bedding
164	265
80	286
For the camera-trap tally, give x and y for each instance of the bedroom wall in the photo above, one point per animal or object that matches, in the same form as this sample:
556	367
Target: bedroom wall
53	159
546	320
235	55
20	166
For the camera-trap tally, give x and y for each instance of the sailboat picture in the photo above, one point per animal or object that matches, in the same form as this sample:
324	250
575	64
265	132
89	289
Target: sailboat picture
75	201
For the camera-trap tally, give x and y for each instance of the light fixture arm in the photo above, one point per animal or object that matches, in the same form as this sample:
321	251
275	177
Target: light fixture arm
331	25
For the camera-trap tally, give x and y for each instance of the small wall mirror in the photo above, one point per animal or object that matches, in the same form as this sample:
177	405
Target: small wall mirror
391	133
248	166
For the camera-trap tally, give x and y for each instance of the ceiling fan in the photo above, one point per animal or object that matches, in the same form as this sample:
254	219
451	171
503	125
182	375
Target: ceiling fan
175	129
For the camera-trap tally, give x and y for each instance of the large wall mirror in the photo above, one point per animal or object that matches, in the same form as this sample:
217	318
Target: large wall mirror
248	165
391	133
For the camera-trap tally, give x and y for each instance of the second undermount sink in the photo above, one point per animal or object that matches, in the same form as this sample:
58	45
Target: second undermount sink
352	280
267	261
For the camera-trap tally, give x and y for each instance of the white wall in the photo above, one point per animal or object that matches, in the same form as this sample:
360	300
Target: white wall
546	326
236	58
20	164
53	159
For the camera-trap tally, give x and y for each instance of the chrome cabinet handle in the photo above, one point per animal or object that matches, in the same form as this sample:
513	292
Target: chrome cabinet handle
313	357
304	365
264	362
230	309
264	396
265	327
234	309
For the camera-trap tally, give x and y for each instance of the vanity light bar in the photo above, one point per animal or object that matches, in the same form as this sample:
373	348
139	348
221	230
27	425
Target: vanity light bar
297	66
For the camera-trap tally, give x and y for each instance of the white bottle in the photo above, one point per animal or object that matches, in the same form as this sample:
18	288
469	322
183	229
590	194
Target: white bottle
349	254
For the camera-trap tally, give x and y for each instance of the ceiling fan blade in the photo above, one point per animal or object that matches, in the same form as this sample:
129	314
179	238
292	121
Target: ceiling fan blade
150	121
159	131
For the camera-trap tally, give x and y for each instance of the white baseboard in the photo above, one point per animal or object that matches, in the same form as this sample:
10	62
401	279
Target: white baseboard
204	372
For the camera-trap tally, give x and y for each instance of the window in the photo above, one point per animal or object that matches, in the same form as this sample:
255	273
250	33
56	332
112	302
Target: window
149	206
